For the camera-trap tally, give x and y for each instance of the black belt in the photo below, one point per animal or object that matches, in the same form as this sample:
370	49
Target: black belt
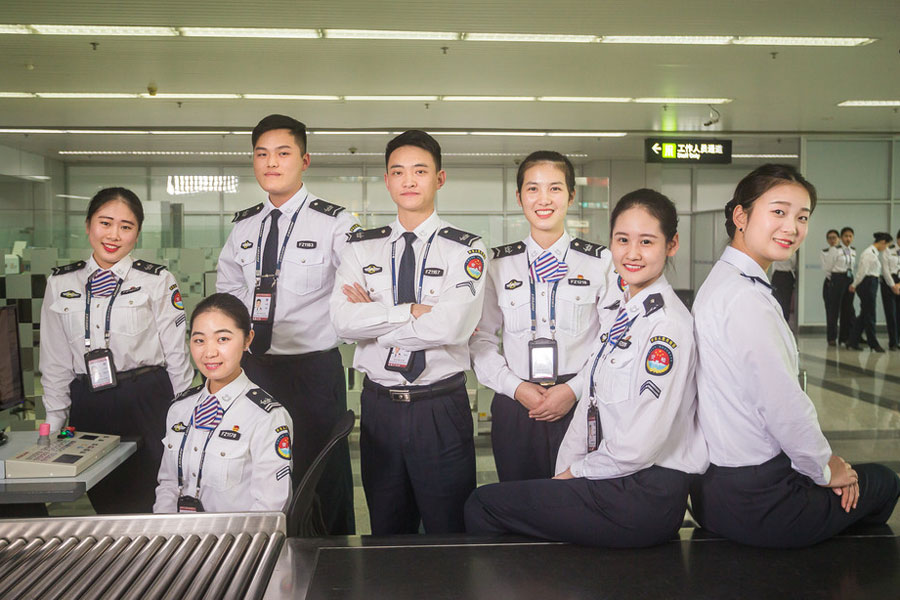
559	380
120	375
417	392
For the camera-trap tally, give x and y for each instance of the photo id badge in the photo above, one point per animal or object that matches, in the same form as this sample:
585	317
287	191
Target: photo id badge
542	361
189	504
593	431
399	360
262	306
100	369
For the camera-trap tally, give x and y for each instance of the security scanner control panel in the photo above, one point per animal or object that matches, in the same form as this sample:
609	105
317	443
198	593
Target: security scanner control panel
61	457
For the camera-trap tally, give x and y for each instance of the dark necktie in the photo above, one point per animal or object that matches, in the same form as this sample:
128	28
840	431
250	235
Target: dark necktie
406	294
262	339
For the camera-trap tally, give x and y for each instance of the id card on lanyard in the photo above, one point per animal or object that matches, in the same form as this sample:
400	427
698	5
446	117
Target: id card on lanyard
400	360
99	364
264	295
191	503
594	428
543	353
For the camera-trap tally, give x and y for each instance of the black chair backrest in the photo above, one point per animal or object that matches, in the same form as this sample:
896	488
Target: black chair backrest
303	517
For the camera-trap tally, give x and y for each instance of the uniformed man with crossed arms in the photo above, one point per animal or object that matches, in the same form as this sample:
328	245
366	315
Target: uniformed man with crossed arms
280	260
410	295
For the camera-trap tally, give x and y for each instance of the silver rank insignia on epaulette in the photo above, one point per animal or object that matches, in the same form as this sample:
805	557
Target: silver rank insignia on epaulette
653	303
326	208
508	250
614	306
247	212
362	235
263	400
75	266
457	235
589	248
148	267
188	392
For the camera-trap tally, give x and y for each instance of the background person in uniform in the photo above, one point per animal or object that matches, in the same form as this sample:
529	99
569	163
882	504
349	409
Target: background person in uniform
135	330
890	288
565	280
625	463
833	238
783	280
773	480
281	257
227	446
841	278
410	295
865	284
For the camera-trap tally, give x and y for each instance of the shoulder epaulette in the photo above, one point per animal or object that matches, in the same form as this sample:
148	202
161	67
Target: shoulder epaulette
326	208
653	303
360	235
148	267
508	250
589	248
247	212
853	247
826	249
459	236
188	392
75	266
262	399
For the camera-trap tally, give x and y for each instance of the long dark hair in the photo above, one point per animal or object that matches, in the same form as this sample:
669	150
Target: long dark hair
758	182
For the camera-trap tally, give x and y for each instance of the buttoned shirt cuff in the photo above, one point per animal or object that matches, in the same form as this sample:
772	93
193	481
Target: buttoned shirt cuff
510	384
399	313
577	385
577	468
826	473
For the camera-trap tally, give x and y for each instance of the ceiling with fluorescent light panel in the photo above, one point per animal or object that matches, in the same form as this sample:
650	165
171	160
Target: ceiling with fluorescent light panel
498	78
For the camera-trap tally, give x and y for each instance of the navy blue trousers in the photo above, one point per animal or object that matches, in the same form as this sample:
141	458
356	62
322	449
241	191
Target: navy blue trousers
867	292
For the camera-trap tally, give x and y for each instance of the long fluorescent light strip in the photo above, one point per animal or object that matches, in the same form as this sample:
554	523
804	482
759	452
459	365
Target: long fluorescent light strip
621	100
221	153
249	32
392	98
488	98
529	37
869	103
610	134
102	30
84	95
682	100
765	156
377	34
192	96
693	40
801	41
312	98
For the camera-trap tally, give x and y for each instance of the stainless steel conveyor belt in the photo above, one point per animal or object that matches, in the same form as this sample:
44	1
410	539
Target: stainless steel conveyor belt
146	557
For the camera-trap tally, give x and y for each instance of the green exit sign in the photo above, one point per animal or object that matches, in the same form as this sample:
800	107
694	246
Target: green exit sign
687	151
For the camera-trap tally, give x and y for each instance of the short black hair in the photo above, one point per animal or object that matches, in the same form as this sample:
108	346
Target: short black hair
227	304
846	229
834	231
417	138
883	236
297	129
658	205
541	156
107	195
758	182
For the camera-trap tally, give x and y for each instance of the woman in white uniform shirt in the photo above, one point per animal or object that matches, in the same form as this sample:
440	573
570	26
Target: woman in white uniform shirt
112	348
565	281
625	463
227	446
773	480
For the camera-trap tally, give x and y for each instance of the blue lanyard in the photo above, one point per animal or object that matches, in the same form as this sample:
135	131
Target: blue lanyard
552	303
87	313
202	455
284	244
609	342
421	274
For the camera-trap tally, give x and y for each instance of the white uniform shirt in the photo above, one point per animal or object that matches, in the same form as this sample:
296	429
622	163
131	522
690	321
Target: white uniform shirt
452	282
590	284
789	265
313	253
645	393
147	328
751	406
870	266
840	259
890	262
826	257
248	457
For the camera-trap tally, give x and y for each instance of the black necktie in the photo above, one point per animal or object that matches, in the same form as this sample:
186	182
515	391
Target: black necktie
262	339
406	294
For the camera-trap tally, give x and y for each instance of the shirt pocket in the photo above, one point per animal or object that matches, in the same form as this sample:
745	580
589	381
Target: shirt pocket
379	288
131	314
616	375
516	308
576	308
226	462
71	314
303	271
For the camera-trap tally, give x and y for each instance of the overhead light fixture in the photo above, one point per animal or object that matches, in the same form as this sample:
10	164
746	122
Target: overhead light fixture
16	95
192	96
348	154
150	153
84	95
346	132
583	99
488	98
765	156
529	37
32	131
606	134
802	41
683	100
693	40
179	185
505	154
376	34
72	196
511	133
448	132
870	103
393	98
15	29
103	30
290	97
249	32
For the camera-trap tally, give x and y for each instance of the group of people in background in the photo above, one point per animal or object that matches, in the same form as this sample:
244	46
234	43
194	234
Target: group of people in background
613	403
878	268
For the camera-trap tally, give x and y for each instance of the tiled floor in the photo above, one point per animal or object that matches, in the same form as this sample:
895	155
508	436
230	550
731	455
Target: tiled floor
856	394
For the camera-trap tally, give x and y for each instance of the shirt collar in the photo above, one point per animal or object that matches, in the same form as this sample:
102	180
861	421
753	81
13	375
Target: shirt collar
558	249
289	207
423	231
120	269
743	263
229	393
635	306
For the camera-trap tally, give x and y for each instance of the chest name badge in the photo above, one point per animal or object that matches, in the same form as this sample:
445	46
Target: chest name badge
577	281
434	272
306	244
371	269
230	435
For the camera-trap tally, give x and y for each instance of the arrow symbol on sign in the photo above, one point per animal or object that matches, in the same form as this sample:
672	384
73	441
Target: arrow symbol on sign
656	148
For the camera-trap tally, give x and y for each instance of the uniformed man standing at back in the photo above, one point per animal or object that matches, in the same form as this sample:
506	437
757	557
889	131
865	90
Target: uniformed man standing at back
280	260
410	295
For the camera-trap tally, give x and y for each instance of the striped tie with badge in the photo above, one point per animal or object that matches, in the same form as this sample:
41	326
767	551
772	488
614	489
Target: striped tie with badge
103	283
208	414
